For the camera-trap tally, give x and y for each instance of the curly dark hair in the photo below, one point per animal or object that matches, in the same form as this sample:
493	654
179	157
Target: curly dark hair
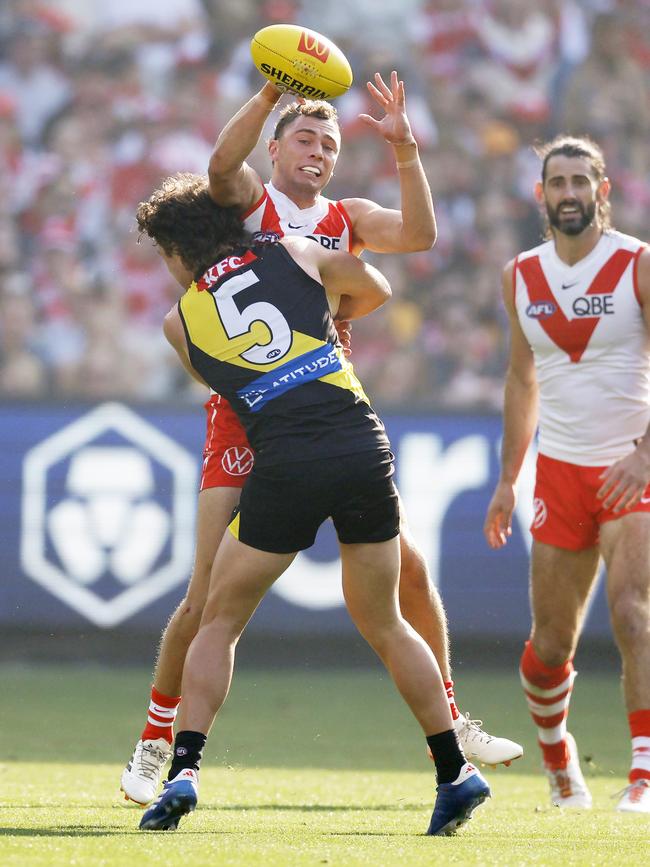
183	219
312	108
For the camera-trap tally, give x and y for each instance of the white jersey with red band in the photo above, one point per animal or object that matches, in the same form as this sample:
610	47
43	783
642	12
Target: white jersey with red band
585	325
326	222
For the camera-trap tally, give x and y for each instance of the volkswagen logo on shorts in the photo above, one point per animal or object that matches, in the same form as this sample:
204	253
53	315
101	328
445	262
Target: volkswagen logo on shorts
540	512
237	461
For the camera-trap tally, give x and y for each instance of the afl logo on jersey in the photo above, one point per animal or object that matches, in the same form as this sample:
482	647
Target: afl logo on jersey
265	237
540	511
540	309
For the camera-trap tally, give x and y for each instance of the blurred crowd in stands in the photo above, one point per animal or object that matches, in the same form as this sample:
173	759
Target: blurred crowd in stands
100	101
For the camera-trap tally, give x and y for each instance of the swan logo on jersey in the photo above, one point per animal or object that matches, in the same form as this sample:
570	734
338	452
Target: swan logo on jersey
540	512
237	461
540	309
108	514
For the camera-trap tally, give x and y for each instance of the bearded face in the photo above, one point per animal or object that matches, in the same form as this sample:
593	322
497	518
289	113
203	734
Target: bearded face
571	217
571	194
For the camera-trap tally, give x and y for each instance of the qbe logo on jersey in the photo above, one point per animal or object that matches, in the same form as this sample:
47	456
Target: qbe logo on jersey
108	514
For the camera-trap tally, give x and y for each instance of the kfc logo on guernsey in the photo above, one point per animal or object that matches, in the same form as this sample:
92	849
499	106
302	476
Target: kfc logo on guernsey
225	266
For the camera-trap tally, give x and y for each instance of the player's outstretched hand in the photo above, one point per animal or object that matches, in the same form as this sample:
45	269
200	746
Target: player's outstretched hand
394	126
272	94
625	482
498	521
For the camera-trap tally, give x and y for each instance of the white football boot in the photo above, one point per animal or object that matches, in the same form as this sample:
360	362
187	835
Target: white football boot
480	747
635	798
568	787
141	776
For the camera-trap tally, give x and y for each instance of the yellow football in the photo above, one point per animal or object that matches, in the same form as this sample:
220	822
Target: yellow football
301	61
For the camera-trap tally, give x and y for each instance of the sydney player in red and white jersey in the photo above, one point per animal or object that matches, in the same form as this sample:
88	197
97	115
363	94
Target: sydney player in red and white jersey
579	310
304	149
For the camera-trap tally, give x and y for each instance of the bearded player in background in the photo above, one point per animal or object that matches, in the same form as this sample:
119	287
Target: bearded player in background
304	150
579	310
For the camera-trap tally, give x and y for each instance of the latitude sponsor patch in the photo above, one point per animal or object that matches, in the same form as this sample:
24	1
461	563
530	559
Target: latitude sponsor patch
308	367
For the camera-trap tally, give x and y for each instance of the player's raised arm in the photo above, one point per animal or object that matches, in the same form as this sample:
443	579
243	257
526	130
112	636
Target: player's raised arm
360	287
232	182
519	422
413	228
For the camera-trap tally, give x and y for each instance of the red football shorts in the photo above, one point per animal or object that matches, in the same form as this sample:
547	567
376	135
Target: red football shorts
227	456
568	514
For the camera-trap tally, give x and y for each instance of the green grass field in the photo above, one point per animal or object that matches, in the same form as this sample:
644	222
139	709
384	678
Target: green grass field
302	768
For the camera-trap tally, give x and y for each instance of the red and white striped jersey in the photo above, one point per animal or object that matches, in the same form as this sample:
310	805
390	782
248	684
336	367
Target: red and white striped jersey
326	222
585	326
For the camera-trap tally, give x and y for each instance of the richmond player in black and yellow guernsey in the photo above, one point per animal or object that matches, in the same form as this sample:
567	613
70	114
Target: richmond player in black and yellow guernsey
256	324
260	332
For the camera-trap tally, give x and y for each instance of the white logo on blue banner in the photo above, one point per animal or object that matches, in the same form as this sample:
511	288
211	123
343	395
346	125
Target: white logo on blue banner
109	522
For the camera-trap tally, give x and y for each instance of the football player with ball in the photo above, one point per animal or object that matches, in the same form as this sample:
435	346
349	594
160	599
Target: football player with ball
303	150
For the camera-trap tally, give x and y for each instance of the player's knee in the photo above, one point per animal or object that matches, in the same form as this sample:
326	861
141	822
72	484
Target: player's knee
186	619
378	630
553	646
381	639
414	575
630	611
201	576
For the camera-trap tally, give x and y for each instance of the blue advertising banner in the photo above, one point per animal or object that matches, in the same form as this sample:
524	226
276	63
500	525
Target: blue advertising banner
97	509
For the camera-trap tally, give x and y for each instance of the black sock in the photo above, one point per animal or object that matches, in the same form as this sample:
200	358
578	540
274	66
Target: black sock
188	751
447	755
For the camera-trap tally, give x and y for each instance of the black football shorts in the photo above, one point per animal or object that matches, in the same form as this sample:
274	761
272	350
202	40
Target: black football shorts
282	506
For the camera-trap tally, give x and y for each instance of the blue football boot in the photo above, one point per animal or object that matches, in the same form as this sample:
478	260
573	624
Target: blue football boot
178	797
457	801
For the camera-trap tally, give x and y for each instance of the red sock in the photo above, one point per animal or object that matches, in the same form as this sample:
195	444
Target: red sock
449	686
548	692
639	721
162	713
